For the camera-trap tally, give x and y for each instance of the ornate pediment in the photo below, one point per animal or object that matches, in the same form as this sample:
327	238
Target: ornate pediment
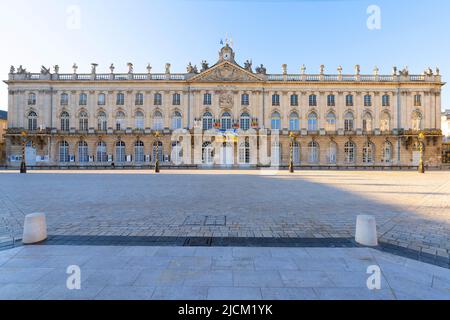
226	72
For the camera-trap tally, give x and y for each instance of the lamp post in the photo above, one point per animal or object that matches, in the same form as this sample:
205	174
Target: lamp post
291	158
23	165
421	166
157	135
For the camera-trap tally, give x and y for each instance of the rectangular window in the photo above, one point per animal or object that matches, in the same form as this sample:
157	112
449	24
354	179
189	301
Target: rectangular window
120	101
417	100
64	99
386	101
245	100
294	100
275	100
176	99
139	101
349	100
83	99
367	100
313	100
32	99
331	102
157	99
207	99
101	99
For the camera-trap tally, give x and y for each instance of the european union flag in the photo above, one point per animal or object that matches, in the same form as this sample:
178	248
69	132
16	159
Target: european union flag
221	41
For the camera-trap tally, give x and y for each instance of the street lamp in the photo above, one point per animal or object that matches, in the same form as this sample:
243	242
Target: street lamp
23	165
157	135
421	166
291	158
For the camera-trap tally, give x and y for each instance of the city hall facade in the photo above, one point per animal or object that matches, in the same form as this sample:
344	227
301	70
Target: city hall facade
223	115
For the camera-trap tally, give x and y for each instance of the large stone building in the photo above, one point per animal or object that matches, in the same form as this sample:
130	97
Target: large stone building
445	122
224	114
3	126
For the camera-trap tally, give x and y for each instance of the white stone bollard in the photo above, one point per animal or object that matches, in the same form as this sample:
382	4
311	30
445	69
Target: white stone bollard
366	231
34	229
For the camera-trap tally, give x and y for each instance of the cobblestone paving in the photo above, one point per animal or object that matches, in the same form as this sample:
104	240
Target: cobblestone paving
412	210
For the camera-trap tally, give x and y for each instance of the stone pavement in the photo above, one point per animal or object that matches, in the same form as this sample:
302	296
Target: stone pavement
219	273
412	210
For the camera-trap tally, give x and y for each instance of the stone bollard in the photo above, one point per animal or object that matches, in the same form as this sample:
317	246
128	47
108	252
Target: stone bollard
34	229
366	231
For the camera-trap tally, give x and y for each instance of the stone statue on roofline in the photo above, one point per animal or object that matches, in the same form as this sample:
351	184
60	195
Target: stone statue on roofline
130	67
261	69
21	70
205	66
248	66
12	70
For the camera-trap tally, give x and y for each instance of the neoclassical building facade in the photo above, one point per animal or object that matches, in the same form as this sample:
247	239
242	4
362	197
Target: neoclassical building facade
223	115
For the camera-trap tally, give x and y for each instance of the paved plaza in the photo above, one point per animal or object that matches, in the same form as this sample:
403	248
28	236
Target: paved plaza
219	273
412	210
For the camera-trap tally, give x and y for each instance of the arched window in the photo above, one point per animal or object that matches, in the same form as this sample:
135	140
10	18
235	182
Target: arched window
83	99
120	151
158	122
225	121
31	99
83	155
139	151
65	121
245	121
367	122
139	99
349	150
294	124
158	151
207	153
83	121
385	121
296	152
102	155
368	152
331	121
207	121
416	121
120	99
276	121
313	152
348	121
312	121
64	152
139	120
102	121
32	121
387	152
120	120
244	153
64	99
332	152
176	120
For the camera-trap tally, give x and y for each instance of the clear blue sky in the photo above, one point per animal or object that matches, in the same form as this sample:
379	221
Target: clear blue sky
413	33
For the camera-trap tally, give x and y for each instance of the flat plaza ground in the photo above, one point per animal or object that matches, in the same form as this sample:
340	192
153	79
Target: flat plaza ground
412	210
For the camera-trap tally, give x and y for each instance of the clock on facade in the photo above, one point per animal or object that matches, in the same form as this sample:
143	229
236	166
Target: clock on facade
226	56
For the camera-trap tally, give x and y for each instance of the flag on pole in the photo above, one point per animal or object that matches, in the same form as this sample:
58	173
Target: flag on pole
221	41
